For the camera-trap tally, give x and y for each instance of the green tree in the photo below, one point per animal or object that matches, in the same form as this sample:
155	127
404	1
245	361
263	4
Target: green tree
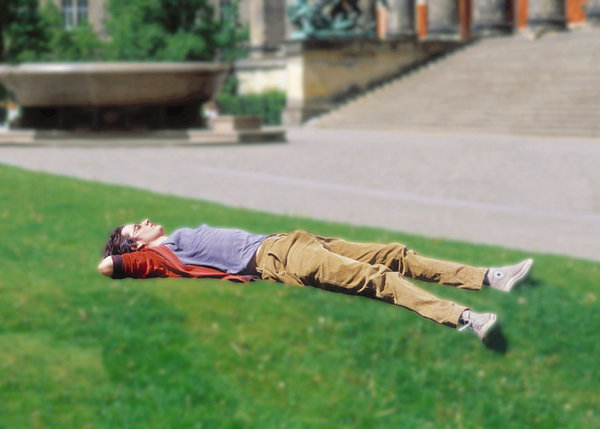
172	30
5	18
31	33
76	44
231	37
23	34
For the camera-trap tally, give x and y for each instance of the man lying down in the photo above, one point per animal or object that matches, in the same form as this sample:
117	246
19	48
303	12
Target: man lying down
299	258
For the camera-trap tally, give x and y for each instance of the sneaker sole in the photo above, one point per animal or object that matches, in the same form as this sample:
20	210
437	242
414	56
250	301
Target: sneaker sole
520	275
488	327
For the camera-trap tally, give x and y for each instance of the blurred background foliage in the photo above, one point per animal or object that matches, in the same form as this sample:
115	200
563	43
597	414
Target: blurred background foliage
267	105
138	30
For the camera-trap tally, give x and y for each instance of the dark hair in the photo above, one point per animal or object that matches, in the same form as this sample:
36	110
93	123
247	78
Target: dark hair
117	244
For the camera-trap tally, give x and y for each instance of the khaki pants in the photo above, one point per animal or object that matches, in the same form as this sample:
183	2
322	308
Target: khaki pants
372	270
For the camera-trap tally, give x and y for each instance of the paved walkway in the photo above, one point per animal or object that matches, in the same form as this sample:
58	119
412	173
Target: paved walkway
530	193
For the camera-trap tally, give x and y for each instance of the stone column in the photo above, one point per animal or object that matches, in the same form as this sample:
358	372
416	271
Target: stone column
401	18
547	15
382	22
267	22
593	12
491	17
275	18
443	18
421	17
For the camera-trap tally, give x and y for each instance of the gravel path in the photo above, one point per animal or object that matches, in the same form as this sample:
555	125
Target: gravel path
530	193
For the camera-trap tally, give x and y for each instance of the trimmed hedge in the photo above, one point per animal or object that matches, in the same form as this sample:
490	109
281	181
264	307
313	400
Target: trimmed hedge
267	105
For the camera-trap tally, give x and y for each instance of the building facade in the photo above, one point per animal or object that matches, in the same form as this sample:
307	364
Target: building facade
318	74
78	12
429	19
269	26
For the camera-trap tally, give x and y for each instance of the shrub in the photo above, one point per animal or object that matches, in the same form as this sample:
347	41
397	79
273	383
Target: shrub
267	105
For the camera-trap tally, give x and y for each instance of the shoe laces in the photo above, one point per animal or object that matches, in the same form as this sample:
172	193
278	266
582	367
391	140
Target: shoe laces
475	323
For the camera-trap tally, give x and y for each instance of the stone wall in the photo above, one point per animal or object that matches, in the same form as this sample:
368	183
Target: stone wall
319	77
261	75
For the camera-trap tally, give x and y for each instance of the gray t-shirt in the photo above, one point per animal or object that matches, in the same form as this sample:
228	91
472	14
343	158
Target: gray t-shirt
228	250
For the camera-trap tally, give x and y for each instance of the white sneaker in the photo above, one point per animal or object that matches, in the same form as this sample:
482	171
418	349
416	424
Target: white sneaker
480	323
506	277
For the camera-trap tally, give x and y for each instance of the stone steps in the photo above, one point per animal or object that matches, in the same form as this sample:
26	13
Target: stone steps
510	84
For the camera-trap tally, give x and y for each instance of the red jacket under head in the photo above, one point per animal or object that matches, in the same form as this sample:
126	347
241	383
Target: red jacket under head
160	261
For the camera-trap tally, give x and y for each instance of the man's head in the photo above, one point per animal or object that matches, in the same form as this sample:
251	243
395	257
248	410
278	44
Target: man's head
132	237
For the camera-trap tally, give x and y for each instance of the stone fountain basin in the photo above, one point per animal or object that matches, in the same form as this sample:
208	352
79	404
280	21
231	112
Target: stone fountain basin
113	84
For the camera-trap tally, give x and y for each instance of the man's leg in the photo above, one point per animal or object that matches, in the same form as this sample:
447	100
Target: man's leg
409	263
302	259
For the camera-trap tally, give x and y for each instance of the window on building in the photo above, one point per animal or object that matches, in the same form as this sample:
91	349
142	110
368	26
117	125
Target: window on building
67	12
223	9
82	11
74	12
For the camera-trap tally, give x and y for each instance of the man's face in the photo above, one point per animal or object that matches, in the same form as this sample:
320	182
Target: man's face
143	233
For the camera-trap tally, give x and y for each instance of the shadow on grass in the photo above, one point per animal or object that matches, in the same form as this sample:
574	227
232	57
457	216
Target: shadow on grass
496	341
527	283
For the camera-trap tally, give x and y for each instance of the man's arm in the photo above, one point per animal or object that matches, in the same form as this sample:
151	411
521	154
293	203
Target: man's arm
106	266
138	265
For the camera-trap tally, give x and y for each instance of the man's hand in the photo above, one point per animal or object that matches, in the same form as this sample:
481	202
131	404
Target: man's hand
106	266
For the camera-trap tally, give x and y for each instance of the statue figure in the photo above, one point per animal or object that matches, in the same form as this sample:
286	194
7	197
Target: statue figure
323	19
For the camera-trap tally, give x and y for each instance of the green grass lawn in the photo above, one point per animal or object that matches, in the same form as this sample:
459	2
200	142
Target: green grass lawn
81	351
